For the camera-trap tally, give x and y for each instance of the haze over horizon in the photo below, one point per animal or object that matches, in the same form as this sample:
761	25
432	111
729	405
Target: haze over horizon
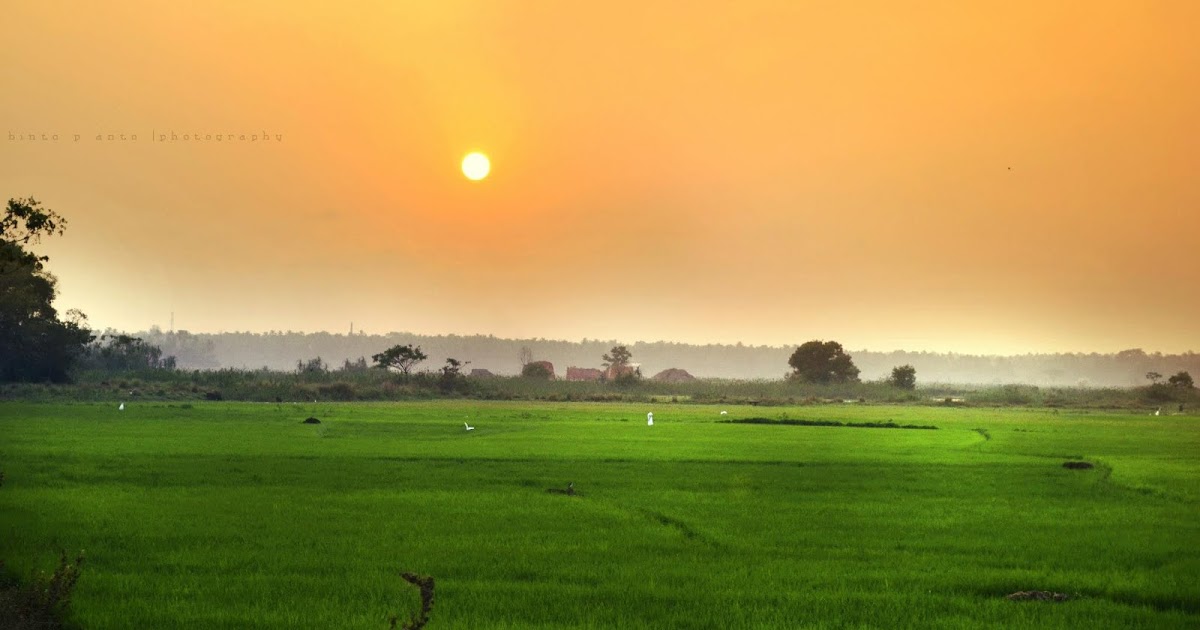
979	178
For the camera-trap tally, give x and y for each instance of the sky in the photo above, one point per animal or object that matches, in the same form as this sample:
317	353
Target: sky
978	177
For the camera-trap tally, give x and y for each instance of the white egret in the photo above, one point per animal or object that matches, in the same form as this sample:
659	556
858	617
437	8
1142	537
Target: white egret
121	408
469	427
724	413
650	419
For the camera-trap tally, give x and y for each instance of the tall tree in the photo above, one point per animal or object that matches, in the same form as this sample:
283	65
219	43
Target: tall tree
822	362
619	358
1182	379
402	358
35	344
618	368
904	377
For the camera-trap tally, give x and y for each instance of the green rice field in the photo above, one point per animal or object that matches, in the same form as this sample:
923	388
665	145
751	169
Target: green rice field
238	515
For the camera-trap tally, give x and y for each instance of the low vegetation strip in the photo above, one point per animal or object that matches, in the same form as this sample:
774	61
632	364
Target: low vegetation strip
830	423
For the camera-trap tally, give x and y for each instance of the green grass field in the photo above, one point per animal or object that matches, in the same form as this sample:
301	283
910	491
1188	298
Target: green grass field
228	515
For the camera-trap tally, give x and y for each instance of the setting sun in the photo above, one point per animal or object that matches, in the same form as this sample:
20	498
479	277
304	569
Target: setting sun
476	166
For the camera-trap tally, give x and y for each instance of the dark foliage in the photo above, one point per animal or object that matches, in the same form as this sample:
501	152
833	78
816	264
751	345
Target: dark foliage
115	352
26	221
402	358
340	391
904	377
43	602
356	366
35	343
1162	392
1182	379
619	357
627	377
830	423
451	378
822	362
311	366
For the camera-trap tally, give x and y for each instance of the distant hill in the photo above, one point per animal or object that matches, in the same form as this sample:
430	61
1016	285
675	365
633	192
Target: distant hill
282	351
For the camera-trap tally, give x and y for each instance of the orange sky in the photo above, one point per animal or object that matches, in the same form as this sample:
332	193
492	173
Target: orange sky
999	177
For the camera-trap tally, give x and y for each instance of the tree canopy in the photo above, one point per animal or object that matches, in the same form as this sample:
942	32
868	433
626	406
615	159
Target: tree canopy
822	362
402	358
903	377
35	343
619	357
1182	379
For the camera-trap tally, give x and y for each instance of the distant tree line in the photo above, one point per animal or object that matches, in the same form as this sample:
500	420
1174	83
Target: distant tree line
39	344
115	352
280	350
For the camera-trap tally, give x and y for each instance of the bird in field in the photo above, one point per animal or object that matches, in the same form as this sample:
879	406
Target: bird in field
650	419
469	427
570	489
1158	411
121	408
724	413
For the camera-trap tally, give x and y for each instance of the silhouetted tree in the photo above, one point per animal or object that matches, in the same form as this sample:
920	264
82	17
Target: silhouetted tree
619	358
1182	380
618	369
453	368
402	358
904	377
1153	377
451	375
822	362
35	344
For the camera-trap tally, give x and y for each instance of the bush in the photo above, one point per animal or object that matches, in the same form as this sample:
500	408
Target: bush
631	377
1010	395
44	601
538	369
337	391
1160	392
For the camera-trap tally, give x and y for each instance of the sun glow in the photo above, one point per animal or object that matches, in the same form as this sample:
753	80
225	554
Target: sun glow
476	166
